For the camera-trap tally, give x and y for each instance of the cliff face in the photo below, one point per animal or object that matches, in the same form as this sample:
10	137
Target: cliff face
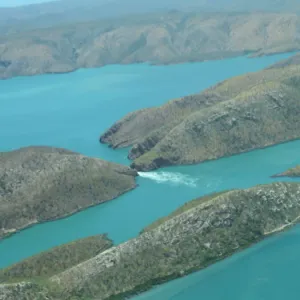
158	38
150	125
240	114
41	183
193	237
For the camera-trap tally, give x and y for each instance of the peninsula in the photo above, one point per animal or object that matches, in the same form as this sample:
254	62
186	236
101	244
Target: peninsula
240	114
39	184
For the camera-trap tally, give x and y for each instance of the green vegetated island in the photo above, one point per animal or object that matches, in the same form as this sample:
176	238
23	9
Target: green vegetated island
158	38
40	184
198	234
243	113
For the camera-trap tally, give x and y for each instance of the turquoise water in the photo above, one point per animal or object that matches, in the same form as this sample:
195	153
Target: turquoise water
71	110
267	271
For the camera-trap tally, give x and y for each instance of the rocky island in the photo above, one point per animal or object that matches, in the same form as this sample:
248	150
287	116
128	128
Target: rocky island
247	112
157	38
293	172
39	184
200	233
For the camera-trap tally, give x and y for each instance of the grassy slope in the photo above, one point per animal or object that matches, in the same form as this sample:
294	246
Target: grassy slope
40	183
158	38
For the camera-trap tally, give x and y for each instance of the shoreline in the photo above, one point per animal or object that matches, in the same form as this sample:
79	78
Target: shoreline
247	54
2	238
223	157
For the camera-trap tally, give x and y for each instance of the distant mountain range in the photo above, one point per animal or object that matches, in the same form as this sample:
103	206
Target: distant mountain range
66	11
62	36
158	38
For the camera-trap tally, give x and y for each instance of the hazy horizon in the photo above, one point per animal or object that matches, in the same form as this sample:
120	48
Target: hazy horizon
14	3
18	15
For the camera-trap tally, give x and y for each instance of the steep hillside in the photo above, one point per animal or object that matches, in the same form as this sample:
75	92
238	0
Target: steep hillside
41	183
240	114
159	39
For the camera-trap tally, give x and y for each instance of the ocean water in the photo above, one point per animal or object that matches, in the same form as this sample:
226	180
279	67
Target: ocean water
72	110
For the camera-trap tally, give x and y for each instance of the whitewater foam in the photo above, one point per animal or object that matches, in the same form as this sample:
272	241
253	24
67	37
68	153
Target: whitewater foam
173	178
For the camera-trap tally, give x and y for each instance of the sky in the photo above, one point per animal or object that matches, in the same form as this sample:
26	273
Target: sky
4	3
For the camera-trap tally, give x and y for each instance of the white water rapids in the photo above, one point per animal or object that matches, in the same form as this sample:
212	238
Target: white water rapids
171	178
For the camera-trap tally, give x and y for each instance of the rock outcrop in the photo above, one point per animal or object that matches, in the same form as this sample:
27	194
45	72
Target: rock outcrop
39	184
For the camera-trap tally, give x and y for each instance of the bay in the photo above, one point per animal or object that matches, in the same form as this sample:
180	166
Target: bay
72	110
